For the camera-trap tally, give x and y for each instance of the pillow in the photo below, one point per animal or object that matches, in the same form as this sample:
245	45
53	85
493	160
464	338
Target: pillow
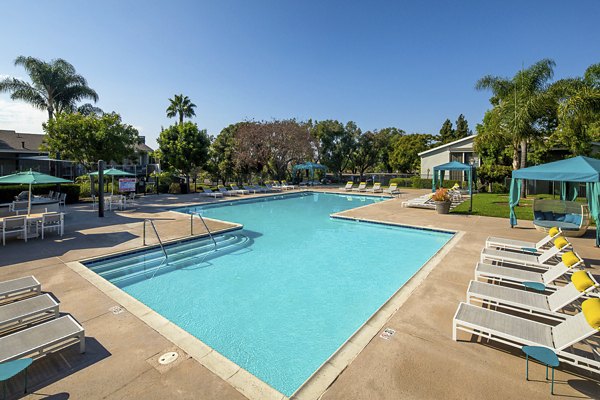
538	215
548	215
591	312
570	259
553	231
559	217
560	242
569	218
581	280
576	219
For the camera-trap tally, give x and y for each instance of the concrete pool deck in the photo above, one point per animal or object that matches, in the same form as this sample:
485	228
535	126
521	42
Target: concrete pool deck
419	361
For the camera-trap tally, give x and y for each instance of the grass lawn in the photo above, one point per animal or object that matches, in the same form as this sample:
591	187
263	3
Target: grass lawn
496	205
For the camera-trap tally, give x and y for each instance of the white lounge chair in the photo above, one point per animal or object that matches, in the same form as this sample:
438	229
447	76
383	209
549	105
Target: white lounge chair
499	273
42	339
362	187
530	260
392	189
499	243
348	187
285	186
582	284
21	313
240	191
210	193
272	188
376	188
52	221
13	226
21	286
226	192
517	332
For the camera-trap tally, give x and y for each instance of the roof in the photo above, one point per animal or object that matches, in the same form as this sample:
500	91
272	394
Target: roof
143	147
576	169
459	141
452	166
16	142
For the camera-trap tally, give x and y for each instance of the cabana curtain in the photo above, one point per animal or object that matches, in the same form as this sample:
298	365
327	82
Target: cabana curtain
440	170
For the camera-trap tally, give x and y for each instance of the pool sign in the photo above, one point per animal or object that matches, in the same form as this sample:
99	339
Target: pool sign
127	184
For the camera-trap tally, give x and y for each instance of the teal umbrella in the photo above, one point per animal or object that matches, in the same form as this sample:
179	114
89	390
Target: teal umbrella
113	172
31	178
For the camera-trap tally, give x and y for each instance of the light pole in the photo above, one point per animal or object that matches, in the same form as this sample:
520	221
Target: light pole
471	162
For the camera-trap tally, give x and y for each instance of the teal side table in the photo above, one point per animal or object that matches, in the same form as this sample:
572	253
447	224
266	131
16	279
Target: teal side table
544	355
12	368
540	287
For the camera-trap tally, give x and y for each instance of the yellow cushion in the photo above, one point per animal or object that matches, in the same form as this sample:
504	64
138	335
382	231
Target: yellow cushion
560	242
570	259
349	183
553	231
591	312
581	280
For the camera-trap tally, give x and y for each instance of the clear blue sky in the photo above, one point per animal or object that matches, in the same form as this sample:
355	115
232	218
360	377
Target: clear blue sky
379	63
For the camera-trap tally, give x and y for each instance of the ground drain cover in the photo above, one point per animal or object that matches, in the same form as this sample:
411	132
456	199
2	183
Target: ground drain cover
116	310
168	358
387	333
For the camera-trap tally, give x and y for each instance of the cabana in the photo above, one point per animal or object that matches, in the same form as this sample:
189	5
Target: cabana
440	170
310	166
569	172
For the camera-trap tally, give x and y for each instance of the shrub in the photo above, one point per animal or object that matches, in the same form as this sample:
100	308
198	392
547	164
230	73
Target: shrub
8	193
499	188
174	188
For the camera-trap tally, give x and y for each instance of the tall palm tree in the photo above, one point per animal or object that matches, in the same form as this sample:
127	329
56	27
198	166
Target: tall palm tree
55	86
520	105
181	105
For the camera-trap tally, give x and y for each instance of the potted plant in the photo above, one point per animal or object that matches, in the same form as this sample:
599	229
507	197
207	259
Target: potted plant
442	201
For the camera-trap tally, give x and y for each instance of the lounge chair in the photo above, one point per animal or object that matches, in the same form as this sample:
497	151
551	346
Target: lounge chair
13	226
285	186
362	187
522	245
376	188
209	192
226	192
19	313
240	191
517	332
42	339
348	187
392	189
52	221
272	188
582	284
20	286
500	273
529	260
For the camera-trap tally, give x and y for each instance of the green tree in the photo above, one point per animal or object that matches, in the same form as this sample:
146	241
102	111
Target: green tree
55	86
522	107
406	148
89	138
221	154
181	106
386	137
446	132
183	148
462	128
366	152
336	143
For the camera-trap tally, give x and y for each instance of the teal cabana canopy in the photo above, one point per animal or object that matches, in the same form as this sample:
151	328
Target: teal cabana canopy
571	170
310	166
440	170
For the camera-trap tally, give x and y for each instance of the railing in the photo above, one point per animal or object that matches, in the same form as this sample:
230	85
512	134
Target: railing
162	246
205	227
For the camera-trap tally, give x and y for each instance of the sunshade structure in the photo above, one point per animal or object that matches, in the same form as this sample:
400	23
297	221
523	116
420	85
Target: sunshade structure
31	178
310	166
571	170
112	172
440	170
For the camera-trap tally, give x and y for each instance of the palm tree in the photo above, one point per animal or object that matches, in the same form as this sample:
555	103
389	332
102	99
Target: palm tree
181	105
55	86
521	105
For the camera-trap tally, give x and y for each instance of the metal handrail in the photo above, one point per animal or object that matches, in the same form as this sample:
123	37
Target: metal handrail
162	246
192	213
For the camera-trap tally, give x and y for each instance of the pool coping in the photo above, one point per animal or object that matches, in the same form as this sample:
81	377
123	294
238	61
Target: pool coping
242	380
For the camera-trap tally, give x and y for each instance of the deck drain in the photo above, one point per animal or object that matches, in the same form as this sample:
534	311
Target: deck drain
168	358
116	310
387	333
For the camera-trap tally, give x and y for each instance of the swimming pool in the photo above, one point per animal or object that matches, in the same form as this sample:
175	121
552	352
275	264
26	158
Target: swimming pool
280	296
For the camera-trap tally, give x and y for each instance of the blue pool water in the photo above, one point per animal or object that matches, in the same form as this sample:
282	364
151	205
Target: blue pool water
282	295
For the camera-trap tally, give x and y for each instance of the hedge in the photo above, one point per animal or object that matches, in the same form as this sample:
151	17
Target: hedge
8	192
420	183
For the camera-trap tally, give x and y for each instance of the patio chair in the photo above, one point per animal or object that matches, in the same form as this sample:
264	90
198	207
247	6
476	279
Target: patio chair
50	194
285	186
529	260
130	199
522	245
208	192
19	207
392	189
362	187
240	191
22	313
517	332
499	273
62	200
42	339
52	222
582	285
20	286
348	187
56	196
226	192
14	225
376	188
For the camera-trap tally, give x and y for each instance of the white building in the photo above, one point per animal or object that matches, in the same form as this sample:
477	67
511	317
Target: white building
460	150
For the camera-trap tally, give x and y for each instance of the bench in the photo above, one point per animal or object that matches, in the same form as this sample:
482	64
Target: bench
570	216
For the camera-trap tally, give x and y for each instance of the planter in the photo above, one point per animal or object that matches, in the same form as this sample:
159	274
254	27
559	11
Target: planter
442	207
